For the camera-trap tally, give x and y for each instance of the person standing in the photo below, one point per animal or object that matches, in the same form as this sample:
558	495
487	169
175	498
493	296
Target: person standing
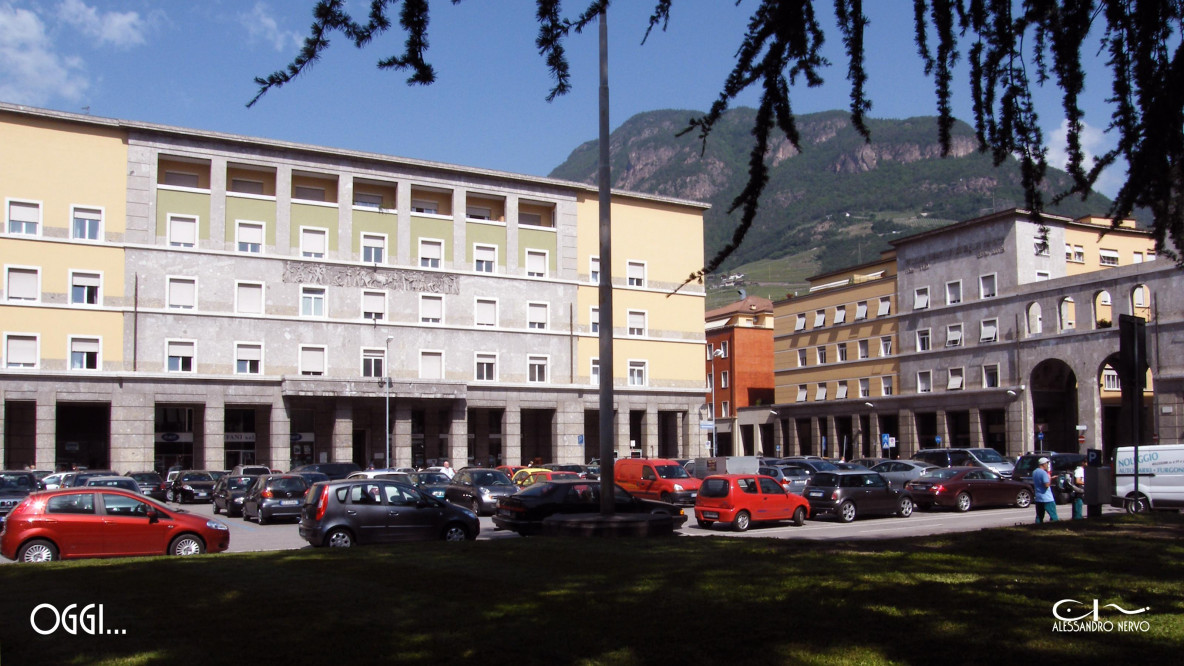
1077	488
1045	501
447	469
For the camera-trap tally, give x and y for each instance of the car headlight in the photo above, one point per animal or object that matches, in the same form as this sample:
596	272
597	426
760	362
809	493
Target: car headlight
678	487
187	487
215	525
485	491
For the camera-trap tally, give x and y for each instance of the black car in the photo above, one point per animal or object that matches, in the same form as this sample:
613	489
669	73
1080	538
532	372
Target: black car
15	486
351	512
848	493
334	470
274	496
191	485
524	512
229	491
479	489
1058	464
431	483
312	477
150	483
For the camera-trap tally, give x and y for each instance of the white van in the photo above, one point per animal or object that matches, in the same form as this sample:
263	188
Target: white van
1161	478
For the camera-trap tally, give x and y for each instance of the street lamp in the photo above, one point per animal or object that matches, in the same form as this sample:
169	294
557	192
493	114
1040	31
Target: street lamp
718	353
386	379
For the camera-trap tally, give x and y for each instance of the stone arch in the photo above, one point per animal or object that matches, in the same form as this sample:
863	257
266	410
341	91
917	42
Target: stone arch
1054	405
1103	310
1035	319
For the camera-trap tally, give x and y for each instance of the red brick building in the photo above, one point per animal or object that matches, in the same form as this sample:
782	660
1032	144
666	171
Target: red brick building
739	366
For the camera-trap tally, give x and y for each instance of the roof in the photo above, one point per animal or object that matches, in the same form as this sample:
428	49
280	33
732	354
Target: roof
750	304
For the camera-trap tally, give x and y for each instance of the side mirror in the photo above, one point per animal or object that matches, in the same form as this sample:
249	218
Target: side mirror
153	516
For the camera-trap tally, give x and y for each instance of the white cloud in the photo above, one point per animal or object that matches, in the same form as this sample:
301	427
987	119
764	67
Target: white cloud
119	29
31	72
262	26
1094	142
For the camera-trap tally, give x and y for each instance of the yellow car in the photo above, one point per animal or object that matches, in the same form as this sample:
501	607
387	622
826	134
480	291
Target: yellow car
529	476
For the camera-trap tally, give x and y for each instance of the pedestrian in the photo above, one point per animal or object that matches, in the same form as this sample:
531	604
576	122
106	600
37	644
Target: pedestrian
1045	501
447	469
1077	487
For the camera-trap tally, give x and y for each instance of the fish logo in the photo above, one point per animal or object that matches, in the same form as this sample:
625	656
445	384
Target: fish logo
1073	605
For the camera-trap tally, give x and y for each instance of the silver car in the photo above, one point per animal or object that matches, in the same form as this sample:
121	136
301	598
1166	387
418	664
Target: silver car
900	472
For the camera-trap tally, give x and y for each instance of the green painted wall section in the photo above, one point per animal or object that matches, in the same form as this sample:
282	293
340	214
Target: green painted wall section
250	210
424	227
182	203
532	239
324	217
485	234
373	222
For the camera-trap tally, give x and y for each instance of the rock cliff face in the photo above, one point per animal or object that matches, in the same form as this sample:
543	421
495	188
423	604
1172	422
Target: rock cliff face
813	194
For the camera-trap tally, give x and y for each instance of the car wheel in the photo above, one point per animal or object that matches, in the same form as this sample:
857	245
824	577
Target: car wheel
905	508
455	532
705	524
260	517
216	509
170	496
1136	504
37	550
799	516
340	538
742	521
186	544
665	497
476	506
1023	499
962	502
846	512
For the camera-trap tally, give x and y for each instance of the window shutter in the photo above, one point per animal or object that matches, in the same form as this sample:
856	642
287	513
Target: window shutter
183	230
22	350
431	365
250	298
22	284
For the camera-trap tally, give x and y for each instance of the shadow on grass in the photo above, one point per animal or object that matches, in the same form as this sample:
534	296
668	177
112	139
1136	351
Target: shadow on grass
968	598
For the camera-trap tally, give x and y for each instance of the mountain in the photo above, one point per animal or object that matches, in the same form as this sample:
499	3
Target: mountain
834	204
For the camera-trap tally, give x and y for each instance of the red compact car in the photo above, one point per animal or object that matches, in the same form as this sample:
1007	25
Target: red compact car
741	499
104	522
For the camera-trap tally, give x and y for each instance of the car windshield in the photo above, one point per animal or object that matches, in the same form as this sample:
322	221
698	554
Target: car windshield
714	488
288	483
147	477
17	481
1025	465
240	482
431	477
825	479
197	476
672	472
989	456
493	478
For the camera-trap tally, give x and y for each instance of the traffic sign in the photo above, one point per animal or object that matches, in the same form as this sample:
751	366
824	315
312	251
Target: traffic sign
1081	438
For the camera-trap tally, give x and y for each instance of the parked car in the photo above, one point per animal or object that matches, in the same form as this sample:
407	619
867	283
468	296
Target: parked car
524	512
228	493
274	496
351	512
391	474
900	472
150	483
479	489
1059	463
810	465
843	464
656	479
524	472
579	470
15	486
848	494
793	480
334	470
190	485
250	470
963	487
311	477
540	476
509	470
742	499
53	481
966	457
869	462
79	478
127	483
104	522
432	483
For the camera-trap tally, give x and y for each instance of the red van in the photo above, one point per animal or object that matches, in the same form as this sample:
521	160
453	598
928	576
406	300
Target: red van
656	479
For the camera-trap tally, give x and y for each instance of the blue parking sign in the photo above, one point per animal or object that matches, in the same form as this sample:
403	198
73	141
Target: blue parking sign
883	440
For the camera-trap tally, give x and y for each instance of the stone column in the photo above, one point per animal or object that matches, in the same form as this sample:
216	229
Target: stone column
943	430
343	431
459	242
277	449
283	213
218	222
213	451
133	425
458	435
47	430
401	442
976	428
873	427
649	432
621	423
906	440
406	254
512	433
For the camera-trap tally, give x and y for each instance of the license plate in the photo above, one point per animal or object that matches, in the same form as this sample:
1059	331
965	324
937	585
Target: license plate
199	494
289	502
814	493
711	515
439	494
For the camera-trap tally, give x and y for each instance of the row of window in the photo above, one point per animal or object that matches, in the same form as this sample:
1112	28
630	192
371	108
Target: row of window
23	218
260	181
839	314
987	288
23	351
956	381
988	331
842	353
1106	257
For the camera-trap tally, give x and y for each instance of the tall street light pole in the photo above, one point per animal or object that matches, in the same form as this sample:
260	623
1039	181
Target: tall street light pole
605	288
386	379
717	353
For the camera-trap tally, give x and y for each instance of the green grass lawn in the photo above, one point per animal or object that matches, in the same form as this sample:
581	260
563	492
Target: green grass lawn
973	598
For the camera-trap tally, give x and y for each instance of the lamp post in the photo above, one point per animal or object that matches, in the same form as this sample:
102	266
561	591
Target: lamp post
717	353
386	380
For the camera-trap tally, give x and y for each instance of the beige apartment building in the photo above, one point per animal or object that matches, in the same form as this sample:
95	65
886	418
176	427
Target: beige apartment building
990	337
183	297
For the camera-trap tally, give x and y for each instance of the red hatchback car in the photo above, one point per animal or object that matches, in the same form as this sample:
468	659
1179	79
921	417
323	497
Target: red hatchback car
741	499
104	522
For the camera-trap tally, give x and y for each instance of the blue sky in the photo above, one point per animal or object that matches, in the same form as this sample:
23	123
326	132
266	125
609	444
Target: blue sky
192	64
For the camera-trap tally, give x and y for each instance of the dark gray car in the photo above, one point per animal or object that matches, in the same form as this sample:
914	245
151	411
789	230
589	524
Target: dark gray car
479	489
900	472
274	496
342	514
851	493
